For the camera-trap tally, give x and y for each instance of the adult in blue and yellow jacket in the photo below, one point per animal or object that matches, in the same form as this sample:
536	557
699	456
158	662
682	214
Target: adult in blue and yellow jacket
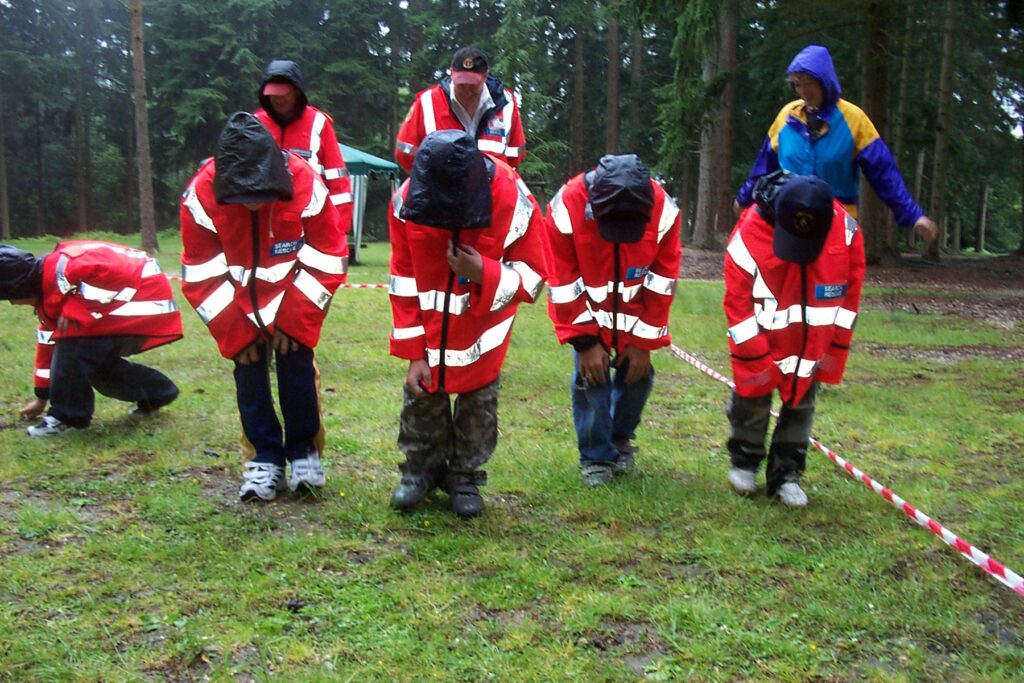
824	135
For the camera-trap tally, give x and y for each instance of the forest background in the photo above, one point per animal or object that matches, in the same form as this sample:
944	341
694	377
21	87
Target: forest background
689	85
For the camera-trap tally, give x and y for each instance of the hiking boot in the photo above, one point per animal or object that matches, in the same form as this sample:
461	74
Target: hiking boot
597	473
792	495
412	489
51	426
744	482
465	500
307	473
627	457
262	481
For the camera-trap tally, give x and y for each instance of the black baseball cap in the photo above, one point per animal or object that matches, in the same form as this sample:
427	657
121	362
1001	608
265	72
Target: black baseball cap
621	197
803	219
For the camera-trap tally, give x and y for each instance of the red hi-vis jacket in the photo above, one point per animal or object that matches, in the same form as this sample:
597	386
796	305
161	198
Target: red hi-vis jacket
461	328
587	297
312	137
791	324
500	134
102	289
245	278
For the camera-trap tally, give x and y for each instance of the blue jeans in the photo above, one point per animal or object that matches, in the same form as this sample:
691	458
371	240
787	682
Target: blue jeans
606	413
296	389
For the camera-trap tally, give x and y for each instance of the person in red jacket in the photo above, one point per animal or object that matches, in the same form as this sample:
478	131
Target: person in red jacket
299	127
469	99
263	253
613	250
794	269
97	302
465	252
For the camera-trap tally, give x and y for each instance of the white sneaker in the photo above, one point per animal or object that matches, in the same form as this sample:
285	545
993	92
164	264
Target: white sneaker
262	481
744	482
306	472
792	495
51	426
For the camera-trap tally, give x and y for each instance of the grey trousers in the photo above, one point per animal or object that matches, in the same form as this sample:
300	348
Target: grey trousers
787	456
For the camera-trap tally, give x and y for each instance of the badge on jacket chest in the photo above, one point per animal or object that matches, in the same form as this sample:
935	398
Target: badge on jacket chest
286	247
829	291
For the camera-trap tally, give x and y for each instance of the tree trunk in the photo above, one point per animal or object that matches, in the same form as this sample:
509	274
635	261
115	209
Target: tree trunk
130	179
611	116
576	142
146	208
954	243
714	195
82	184
5	206
636	95
938	205
979	240
41	202
685	192
879	242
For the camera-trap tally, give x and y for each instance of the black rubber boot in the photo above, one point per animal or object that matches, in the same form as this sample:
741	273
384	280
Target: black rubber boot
412	489
464	496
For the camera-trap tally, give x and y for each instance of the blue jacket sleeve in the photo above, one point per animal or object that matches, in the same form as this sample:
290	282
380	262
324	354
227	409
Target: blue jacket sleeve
766	162
880	169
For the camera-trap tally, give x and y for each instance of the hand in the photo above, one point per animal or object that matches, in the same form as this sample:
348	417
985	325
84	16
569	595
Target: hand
466	261
418	377
63	325
250	354
926	229
637	363
282	343
594	364
33	409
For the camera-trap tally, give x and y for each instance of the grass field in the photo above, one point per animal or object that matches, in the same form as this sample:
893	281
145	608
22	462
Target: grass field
124	554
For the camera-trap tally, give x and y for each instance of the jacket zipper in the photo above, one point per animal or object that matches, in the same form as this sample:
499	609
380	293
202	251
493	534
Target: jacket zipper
444	320
255	221
615	301
803	316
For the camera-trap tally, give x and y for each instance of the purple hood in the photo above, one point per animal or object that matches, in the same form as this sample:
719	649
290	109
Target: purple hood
817	61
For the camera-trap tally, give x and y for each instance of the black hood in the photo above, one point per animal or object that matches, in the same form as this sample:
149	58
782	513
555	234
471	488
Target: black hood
621	197
249	166
284	70
450	183
766	189
21	273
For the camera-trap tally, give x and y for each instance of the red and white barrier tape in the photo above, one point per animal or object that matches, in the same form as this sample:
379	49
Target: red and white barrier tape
347	285
993	567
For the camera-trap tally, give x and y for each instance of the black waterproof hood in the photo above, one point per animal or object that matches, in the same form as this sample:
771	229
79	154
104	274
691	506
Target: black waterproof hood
621	197
450	183
285	71
249	166
21	273
766	189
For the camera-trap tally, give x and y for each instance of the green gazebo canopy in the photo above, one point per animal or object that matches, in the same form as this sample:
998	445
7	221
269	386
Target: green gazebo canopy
359	162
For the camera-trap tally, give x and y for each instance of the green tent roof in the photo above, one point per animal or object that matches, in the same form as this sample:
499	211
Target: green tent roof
359	162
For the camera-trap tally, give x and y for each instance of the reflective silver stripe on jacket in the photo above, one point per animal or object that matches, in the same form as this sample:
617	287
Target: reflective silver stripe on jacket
407	332
629	323
316	199
402	286
62	279
406	147
486	145
220	299
560	214
341	198
433	300
141	308
269	312
564	294
315	132
744	331
659	284
195	207
508	285
520	215
427	105
43	373
488	341
741	255
771	318
335	173
151	268
215	267
805	368
851	229
314	291
44	337
669	212
326	263
531	281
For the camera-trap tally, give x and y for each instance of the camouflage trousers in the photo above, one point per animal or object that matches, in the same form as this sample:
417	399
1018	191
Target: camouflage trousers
446	441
